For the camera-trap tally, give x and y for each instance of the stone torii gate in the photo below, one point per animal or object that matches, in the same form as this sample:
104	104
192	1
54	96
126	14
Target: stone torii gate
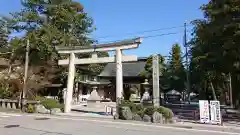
119	58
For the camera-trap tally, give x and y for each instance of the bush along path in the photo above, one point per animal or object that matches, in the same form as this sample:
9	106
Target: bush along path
146	113
46	106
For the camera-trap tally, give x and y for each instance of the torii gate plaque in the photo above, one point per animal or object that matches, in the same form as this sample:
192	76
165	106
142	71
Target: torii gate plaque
72	61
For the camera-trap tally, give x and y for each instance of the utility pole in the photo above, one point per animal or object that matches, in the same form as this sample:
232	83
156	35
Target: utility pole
25	76
186	57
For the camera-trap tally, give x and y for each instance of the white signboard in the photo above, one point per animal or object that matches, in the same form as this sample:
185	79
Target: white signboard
204	111
114	111
215	112
108	110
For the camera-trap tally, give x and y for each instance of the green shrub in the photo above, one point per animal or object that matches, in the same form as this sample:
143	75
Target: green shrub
127	103
140	113
149	110
5	93
61	106
134	107
39	98
30	108
167	113
161	109
51	103
139	107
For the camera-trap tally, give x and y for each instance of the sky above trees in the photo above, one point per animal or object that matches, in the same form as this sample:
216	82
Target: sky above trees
117	19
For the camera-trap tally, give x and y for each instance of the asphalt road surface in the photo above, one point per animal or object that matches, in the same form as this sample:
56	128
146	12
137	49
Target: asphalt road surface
16	124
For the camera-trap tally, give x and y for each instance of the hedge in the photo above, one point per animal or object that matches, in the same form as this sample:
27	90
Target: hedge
148	110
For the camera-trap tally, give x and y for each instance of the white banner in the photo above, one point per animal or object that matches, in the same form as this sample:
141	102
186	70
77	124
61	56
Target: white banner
215	112
204	111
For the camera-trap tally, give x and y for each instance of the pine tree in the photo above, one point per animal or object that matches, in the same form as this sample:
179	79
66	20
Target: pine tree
175	69
3	34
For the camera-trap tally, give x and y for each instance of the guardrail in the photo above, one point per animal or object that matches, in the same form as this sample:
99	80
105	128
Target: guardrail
13	104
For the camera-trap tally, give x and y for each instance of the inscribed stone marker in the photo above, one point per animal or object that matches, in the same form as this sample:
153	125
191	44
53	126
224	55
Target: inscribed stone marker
155	76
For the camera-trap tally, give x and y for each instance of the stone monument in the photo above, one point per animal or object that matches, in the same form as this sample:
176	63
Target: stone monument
155	77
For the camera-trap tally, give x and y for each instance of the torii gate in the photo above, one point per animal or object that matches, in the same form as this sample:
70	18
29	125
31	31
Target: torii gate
116	46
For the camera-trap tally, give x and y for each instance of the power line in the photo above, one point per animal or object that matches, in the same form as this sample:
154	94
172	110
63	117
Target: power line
144	37
159	35
151	36
142	32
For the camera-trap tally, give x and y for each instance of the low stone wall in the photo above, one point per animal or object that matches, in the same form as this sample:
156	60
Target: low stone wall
13	104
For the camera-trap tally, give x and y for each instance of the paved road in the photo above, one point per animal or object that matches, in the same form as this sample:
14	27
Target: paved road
59	125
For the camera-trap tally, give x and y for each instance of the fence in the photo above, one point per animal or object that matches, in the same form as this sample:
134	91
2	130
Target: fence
13	104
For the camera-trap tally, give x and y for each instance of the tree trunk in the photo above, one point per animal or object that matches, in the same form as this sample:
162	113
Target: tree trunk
10	63
213	91
230	89
205	90
9	69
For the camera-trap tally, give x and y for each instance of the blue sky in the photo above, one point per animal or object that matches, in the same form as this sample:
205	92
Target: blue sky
117	18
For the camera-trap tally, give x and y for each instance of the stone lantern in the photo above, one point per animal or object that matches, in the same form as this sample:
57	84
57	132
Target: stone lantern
146	96
94	96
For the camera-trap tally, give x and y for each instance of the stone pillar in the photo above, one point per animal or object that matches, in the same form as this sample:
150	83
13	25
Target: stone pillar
3	104
70	83
119	74
9	105
155	75
64	93
14	106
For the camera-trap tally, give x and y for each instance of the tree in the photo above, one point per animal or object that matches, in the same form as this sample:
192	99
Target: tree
52	21
175	72
47	24
215	49
147	73
3	35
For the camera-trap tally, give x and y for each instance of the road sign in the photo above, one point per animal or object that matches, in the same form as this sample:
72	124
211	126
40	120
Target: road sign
204	111
215	112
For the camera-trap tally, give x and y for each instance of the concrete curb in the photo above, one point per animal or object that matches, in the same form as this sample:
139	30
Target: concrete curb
198	122
83	115
206	125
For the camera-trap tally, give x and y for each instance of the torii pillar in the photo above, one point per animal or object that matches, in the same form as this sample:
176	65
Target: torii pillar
119	74
70	83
